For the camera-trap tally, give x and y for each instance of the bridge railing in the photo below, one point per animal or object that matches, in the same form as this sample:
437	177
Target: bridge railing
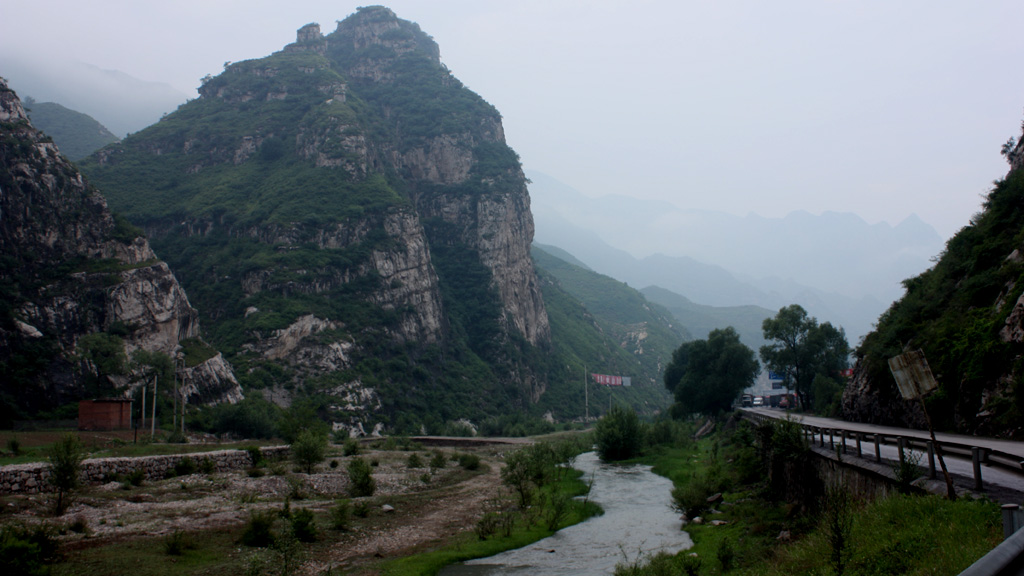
1007	559
847	440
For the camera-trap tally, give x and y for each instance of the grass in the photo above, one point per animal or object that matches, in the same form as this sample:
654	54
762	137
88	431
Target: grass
215	553
902	534
526	531
898	534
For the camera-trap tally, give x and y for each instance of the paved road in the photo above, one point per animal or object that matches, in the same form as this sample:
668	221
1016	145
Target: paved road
1004	485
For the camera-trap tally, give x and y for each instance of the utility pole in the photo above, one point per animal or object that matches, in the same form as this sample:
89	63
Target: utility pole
152	421
586	397
143	415
180	361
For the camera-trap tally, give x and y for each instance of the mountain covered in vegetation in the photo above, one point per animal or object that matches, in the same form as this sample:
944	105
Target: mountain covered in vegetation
599	324
86	307
966	314
76	134
353	229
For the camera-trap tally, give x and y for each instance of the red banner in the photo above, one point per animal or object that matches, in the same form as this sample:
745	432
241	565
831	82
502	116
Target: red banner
607	380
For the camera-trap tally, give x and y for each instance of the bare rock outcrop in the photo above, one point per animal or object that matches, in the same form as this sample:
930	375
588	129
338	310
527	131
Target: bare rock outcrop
76	270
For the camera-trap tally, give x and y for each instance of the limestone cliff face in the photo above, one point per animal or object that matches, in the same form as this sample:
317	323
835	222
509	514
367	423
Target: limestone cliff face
354	221
71	270
496	221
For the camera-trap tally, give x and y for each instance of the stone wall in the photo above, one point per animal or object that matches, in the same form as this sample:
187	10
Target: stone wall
33	477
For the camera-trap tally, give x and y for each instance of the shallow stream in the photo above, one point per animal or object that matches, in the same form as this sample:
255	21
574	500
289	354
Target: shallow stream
638	520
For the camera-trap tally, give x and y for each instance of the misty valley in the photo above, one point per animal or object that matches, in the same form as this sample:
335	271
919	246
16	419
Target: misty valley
322	319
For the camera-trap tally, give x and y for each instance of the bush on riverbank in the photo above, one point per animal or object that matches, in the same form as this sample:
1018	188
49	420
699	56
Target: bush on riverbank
772	523
542	500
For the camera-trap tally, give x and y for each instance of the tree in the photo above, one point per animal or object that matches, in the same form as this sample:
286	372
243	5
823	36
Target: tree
619	434
707	375
301	415
801	349
309	449
65	466
360	478
105	355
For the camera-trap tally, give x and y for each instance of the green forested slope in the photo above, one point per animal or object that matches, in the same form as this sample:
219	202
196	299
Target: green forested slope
961	314
600	325
700	319
76	134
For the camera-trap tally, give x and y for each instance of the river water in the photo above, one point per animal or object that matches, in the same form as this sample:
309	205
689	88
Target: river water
638	520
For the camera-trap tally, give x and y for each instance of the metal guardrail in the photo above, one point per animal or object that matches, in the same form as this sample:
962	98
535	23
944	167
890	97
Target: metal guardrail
1007	559
852	439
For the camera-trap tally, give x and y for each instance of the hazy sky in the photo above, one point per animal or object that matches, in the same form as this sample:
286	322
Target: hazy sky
880	108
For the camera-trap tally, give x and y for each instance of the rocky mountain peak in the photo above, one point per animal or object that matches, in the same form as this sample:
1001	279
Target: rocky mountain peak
374	27
75	280
309	33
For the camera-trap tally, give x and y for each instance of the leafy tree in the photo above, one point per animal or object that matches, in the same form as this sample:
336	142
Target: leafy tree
516	474
801	349
309	449
65	464
360	477
105	352
707	375
619	434
300	416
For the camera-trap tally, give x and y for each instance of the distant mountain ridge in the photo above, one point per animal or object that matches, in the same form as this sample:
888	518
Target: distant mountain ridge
966	315
76	134
699	319
835	265
832	252
121	102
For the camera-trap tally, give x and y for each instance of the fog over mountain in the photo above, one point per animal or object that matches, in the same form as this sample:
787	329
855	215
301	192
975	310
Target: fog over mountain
121	102
836	265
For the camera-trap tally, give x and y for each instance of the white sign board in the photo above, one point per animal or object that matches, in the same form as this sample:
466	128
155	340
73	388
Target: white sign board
913	376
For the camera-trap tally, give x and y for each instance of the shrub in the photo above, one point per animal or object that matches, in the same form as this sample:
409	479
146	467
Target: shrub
296	488
259	530
351	447
207	466
14	446
360	477
339	515
136	477
255	455
438	460
26	550
185	466
619	435
79	525
469	461
414	461
907	471
725	554
304	526
837	524
65	465
309	449
177	543
361	509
